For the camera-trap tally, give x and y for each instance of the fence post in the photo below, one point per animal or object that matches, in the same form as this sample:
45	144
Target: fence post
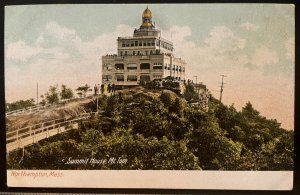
33	138
46	132
30	130
17	135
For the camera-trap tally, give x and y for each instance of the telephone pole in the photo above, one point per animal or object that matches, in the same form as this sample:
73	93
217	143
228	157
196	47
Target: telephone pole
222	86
37	93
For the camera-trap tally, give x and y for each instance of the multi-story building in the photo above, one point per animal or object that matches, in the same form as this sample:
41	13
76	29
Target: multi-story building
145	56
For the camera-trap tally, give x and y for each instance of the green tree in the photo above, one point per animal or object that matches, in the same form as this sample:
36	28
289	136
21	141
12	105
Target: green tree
190	93
66	93
154	132
52	96
19	104
82	90
43	101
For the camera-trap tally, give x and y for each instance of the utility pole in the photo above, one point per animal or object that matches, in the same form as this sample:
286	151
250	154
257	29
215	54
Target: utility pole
37	93
222	86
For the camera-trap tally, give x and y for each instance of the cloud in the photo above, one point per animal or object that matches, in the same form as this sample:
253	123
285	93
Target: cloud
218	51
264	56
222	39
58	55
55	32
21	51
290	48
249	26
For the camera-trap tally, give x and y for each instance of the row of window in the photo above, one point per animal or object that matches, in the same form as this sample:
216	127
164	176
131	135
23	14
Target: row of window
140	43
144	43
121	77
143	66
139	53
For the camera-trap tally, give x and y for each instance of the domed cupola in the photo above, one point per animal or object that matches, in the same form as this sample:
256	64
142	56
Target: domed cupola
147	19
147	13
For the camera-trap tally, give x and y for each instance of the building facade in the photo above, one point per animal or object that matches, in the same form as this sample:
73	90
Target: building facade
145	56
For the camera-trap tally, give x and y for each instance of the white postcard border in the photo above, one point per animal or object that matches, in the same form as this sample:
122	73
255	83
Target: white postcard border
158	179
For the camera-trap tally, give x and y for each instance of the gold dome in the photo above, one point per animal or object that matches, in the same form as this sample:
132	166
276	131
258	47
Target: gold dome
147	13
147	24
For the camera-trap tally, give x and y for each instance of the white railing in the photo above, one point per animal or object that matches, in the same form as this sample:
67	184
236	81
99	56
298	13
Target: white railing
28	109
37	108
15	138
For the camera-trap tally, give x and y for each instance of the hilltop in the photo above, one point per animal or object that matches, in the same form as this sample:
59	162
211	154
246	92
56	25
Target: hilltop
72	109
158	129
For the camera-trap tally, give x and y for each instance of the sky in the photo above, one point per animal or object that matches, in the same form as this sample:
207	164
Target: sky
252	44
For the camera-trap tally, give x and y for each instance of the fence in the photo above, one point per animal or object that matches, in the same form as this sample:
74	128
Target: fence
37	108
32	134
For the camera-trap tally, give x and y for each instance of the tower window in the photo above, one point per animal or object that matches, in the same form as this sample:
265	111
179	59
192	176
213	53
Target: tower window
136	43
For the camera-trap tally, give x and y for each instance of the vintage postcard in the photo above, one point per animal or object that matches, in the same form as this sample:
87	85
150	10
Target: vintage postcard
184	96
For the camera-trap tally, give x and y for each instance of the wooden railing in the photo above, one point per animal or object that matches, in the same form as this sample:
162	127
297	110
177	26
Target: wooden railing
33	109
14	138
28	109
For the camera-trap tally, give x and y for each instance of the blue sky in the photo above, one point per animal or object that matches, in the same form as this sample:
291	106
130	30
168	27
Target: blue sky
253	44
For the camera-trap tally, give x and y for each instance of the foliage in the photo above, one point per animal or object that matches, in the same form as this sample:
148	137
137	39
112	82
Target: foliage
19	105
66	93
190	94
82	90
150	132
52	96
